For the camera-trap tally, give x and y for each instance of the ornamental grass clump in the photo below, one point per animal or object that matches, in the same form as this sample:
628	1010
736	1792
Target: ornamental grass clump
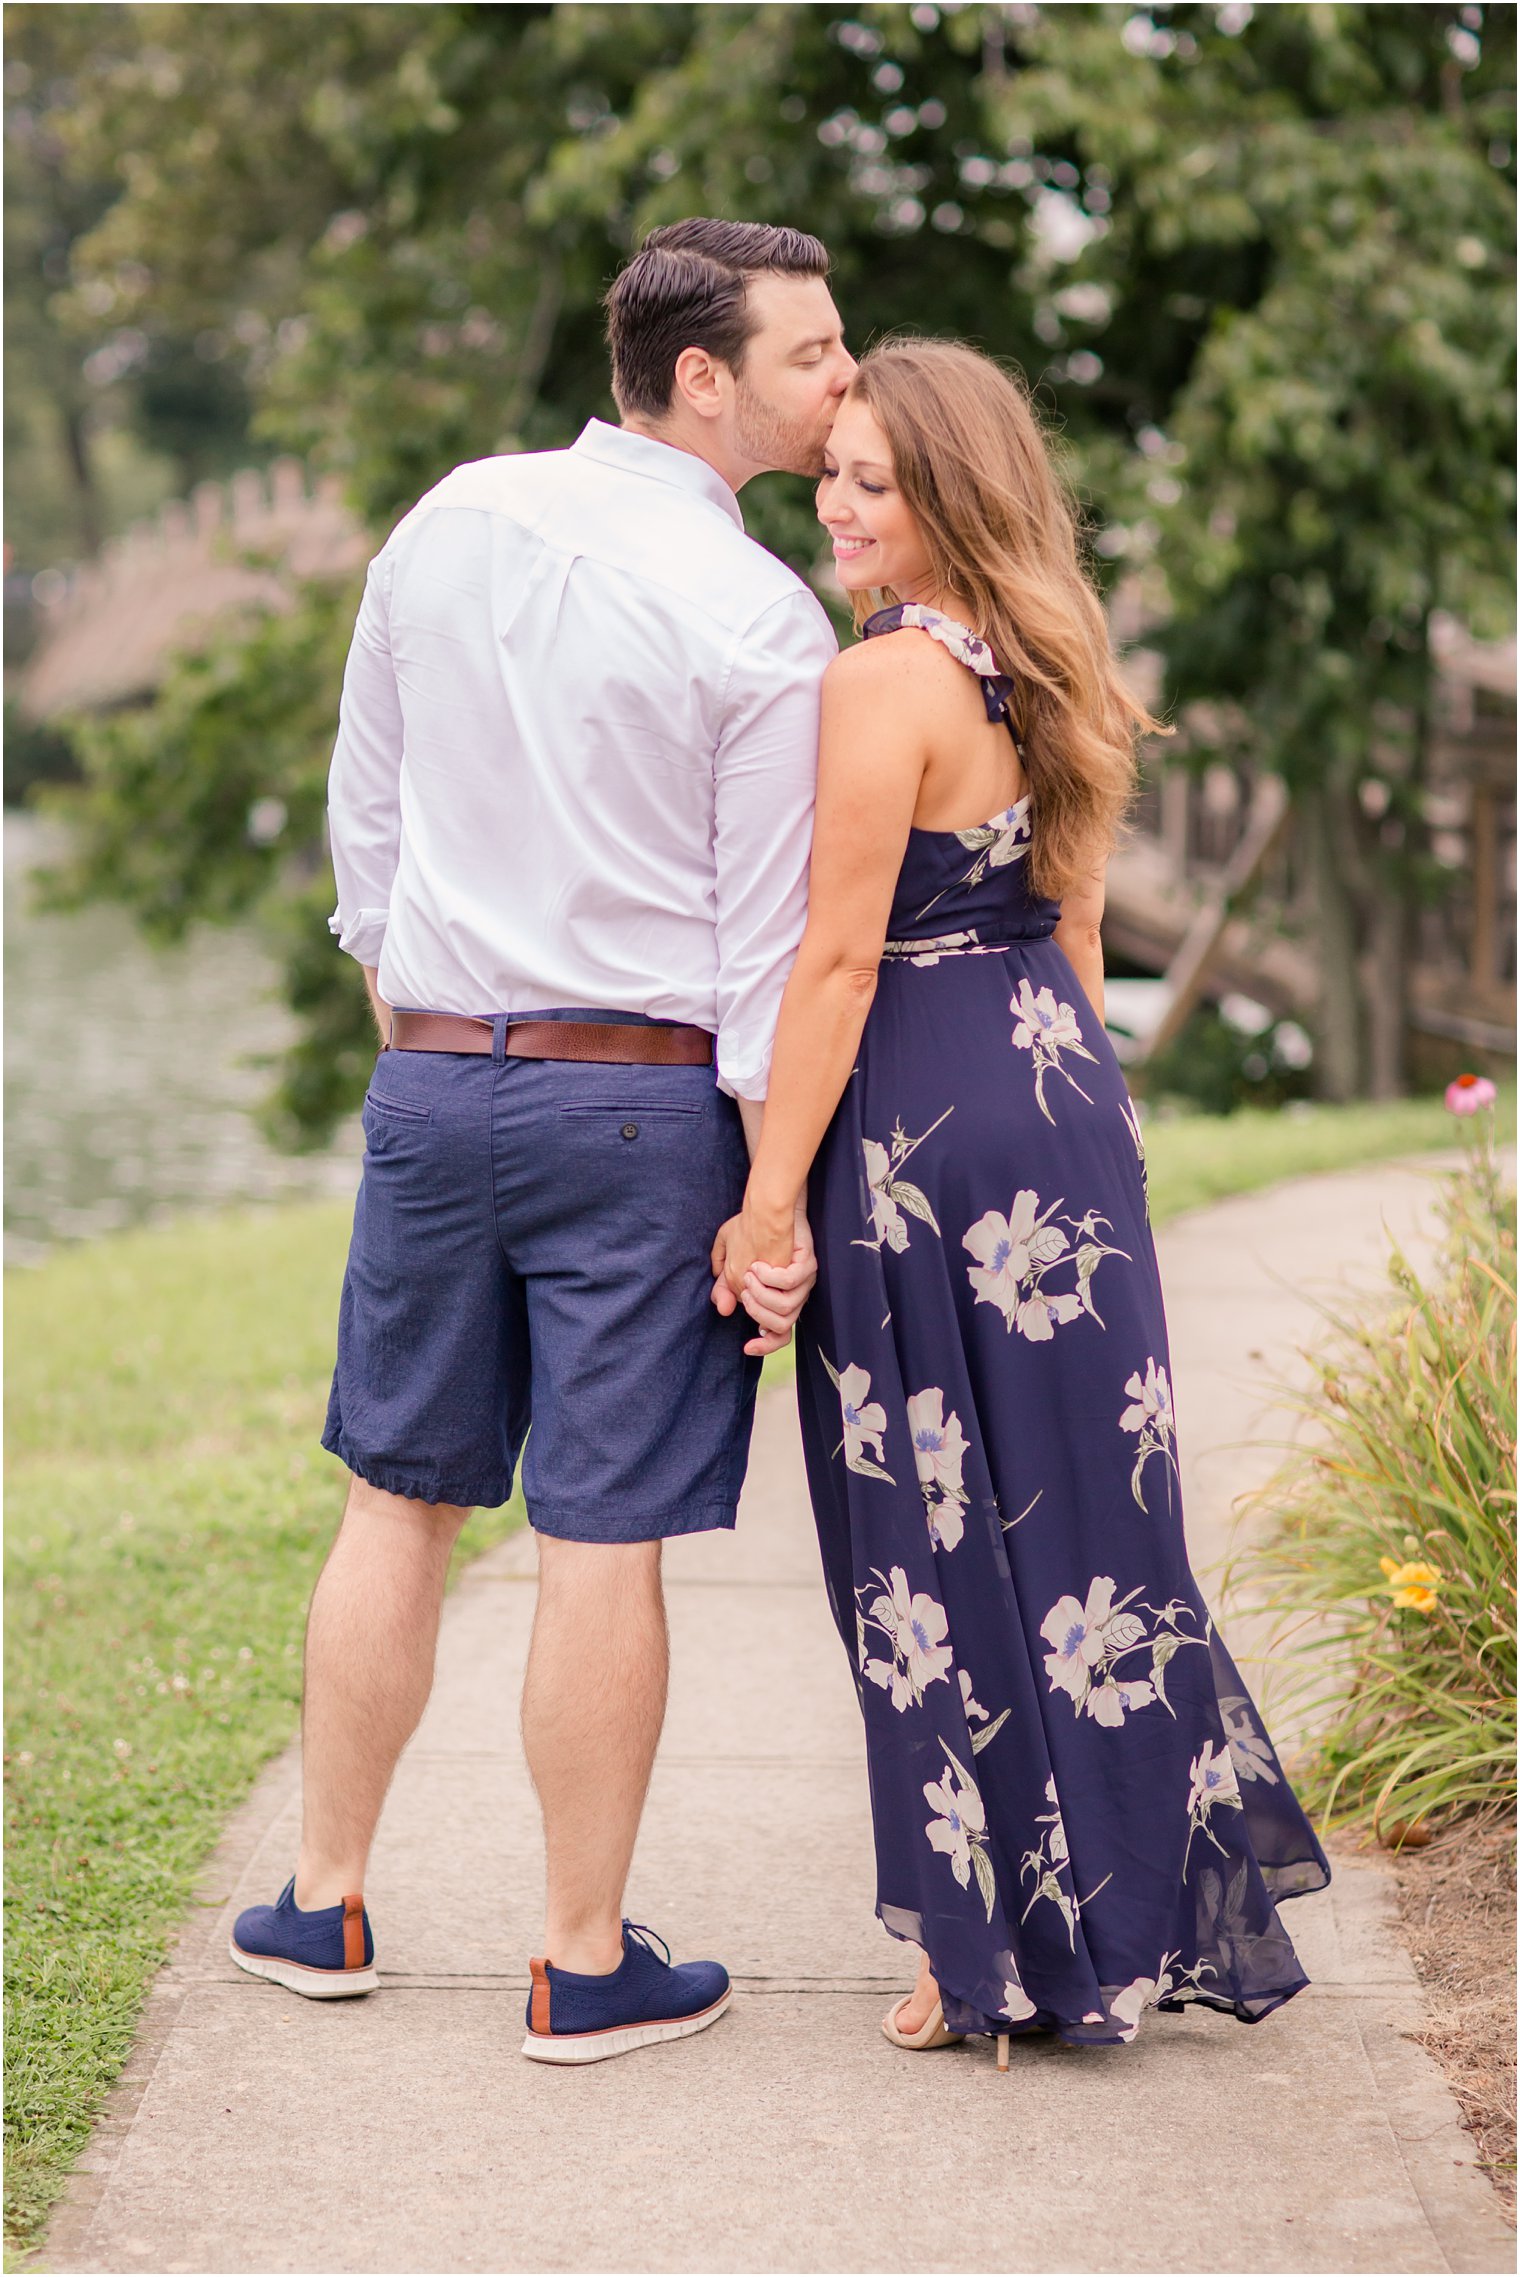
1388	1557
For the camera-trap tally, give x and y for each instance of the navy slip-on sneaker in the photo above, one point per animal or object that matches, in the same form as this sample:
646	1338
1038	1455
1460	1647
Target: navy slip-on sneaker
582	2020
327	1954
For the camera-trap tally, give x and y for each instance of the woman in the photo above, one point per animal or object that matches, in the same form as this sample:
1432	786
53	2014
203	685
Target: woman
1077	1811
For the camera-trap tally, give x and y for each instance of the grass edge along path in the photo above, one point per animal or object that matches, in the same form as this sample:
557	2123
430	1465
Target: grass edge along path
168	1508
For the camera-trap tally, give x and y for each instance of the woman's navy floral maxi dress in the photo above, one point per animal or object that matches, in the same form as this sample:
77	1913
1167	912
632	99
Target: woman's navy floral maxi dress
1078	1813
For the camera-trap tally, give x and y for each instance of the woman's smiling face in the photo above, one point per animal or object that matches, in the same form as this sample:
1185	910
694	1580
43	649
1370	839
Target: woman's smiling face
877	543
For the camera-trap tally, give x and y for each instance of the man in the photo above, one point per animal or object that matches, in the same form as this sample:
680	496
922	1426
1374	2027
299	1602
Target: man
570	810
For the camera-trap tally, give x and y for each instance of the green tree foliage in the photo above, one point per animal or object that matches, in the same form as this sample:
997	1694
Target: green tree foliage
427	212
104	419
49	203
1256	264
1317	215
230	764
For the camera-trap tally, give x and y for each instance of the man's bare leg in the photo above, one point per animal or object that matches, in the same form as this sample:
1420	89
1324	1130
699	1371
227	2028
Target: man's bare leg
371	1638
593	1704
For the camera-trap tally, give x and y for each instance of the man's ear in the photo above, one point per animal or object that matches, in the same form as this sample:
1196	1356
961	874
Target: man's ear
701	382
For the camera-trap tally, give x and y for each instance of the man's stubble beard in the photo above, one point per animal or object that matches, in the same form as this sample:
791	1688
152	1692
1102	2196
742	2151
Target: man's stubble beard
766	437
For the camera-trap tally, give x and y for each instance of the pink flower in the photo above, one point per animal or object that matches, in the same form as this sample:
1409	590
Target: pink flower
1469	1094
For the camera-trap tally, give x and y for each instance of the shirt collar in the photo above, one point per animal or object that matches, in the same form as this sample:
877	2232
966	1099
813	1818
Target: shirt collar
660	462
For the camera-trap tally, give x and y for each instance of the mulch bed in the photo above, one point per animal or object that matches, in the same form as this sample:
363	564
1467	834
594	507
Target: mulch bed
1457	1907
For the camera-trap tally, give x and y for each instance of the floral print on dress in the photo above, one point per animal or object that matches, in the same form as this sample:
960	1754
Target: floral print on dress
1048	1865
1016	1253
959	1828
1149	1415
915	1626
865	1422
1016	2003
1132	1124
1214	1786
1248	1742
966	647
1004	838
891	1195
1088	1642
939	1451
997	843
1046	1028
1127	2006
976	1714
1016	1600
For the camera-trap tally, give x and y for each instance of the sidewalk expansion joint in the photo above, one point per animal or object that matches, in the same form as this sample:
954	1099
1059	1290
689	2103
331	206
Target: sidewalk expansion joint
672	1581
663	1762
486	1980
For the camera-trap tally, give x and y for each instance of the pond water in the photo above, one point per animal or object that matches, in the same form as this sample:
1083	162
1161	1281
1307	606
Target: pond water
132	1073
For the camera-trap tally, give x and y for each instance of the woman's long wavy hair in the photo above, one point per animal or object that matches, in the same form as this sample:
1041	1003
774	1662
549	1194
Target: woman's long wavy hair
1000	526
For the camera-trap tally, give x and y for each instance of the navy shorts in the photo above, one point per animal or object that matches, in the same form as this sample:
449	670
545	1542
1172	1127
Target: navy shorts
531	1246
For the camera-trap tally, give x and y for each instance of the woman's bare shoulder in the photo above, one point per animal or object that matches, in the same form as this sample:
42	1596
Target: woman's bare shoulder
902	666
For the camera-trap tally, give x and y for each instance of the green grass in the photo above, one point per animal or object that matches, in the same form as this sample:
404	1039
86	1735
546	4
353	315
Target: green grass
168	1508
1198	1159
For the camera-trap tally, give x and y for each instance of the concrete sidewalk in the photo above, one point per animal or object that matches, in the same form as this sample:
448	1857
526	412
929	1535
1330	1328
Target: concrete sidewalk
252	2131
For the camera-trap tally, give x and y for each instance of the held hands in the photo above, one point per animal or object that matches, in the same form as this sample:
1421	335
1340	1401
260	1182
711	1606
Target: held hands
745	1272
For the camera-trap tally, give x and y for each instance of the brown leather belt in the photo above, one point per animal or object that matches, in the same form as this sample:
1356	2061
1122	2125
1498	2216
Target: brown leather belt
613	1042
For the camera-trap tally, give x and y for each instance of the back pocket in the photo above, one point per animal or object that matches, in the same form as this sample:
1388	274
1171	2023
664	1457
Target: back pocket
400	1108
631	1111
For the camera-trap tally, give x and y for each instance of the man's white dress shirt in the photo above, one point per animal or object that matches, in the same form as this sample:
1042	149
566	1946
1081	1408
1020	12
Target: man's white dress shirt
577	749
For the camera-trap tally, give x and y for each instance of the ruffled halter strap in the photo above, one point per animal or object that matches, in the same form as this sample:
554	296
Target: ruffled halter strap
965	646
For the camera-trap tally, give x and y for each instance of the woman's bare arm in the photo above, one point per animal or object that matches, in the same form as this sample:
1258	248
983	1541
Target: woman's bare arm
1080	934
872	754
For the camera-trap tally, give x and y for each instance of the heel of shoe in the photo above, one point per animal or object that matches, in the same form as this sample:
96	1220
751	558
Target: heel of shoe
310	1983
1002	2040
618	2040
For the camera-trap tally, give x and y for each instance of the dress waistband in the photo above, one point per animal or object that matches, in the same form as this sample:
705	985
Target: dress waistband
940	945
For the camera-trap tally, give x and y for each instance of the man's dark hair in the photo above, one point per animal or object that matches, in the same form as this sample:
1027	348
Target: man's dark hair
687	287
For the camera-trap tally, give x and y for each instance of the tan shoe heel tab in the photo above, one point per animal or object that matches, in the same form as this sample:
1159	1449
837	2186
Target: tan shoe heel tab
353	1932
538	2015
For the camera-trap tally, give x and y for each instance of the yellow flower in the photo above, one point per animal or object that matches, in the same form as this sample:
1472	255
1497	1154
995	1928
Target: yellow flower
1413	1585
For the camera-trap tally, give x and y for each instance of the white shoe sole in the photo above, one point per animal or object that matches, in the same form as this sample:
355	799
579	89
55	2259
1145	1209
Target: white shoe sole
618	2040
312	1984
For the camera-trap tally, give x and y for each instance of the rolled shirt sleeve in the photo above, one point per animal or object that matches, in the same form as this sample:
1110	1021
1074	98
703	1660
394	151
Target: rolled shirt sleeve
364	781
765	776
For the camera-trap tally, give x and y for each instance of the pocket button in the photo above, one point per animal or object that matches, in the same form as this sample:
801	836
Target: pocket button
630	1130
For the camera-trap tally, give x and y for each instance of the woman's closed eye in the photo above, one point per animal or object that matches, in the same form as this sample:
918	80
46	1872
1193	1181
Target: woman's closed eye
873	489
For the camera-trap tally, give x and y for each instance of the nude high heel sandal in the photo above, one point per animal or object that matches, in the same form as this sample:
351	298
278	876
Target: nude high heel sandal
1002	2040
932	2033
